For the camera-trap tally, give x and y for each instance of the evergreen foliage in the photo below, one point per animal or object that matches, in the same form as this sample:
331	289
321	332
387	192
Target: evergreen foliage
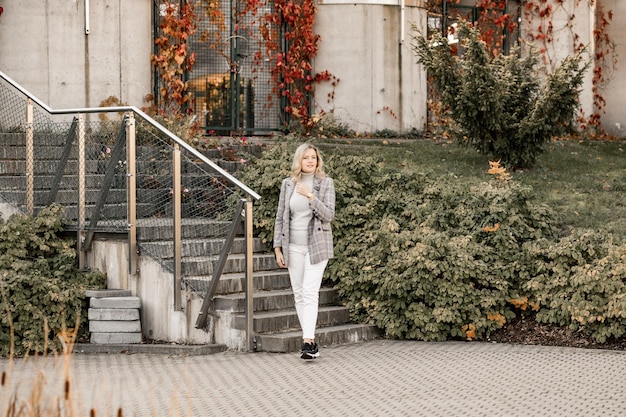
504	109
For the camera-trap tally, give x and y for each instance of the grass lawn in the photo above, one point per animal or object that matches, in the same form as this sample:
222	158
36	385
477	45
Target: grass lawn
584	181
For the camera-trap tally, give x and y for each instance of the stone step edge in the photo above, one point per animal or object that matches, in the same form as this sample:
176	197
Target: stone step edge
291	341
150	348
106	293
112	337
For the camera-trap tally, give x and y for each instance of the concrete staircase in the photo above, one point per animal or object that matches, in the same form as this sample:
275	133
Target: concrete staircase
114	317
275	320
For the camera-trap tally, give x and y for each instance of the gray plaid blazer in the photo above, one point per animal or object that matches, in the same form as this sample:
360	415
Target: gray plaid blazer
320	232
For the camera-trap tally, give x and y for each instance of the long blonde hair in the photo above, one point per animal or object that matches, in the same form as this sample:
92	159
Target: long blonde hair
296	166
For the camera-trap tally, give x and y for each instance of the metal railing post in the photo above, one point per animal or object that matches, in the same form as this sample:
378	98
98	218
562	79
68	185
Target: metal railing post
131	196
176	201
30	158
82	263
250	339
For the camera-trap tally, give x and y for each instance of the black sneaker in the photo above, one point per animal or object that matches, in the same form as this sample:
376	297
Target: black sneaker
309	351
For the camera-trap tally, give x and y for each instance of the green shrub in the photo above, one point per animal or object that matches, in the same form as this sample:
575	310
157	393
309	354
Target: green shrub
386	133
420	258
264	175
324	125
41	290
579	282
503	108
434	258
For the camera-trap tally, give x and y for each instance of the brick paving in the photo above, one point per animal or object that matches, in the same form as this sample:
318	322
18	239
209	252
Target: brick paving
378	378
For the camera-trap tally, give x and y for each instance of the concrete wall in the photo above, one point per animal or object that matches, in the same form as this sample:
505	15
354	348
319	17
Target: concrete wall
614	121
381	86
44	47
155	287
583	27
7	210
614	118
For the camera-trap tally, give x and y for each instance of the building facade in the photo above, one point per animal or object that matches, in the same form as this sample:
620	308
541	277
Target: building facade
80	53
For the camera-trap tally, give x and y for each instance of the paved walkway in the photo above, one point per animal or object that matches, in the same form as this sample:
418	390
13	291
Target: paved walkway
379	378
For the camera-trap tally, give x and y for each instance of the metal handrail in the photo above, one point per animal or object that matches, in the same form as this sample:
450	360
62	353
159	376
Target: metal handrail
120	109
178	143
218	268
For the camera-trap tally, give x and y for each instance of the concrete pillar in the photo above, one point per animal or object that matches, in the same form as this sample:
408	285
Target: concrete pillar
367	46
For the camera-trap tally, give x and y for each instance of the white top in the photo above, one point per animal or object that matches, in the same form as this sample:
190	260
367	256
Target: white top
301	214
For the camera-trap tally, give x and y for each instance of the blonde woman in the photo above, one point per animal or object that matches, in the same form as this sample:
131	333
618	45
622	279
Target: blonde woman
303	239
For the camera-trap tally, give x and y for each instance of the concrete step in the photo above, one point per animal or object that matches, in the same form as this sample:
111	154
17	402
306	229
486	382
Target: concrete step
151	230
291	341
109	211
203	265
113	314
234	282
116	338
201	247
69	197
45	167
114	326
115	302
114	317
108	292
45	181
50	146
50	152
96	153
13	138
281	320
110	220
269	300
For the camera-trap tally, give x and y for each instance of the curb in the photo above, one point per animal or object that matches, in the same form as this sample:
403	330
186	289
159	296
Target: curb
156	349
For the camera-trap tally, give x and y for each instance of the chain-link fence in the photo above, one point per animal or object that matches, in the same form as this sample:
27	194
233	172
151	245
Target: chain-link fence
44	151
13	133
38	155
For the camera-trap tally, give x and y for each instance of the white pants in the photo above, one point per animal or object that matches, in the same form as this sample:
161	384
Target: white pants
306	280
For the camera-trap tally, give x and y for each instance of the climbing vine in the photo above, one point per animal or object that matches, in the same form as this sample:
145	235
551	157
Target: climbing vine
291	61
172	59
495	22
291	69
539	16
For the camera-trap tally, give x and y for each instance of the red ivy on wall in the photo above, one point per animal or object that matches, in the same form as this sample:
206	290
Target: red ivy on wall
291	68
286	33
173	59
494	23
